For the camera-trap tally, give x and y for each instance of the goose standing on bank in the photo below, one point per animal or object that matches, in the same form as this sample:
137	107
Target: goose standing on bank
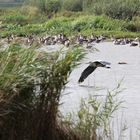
91	68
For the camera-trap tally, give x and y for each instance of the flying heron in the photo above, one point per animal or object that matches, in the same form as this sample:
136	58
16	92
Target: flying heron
91	68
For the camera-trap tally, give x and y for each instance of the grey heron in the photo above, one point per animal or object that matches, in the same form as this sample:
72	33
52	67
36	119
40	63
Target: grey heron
91	68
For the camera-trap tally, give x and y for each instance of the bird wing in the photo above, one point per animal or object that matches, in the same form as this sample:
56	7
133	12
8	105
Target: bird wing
105	63
86	73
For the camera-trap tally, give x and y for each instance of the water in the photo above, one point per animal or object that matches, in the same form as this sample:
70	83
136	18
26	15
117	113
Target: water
103	79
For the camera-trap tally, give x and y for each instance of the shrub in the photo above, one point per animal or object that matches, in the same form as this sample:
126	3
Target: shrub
94	117
16	19
53	6
30	11
30	88
47	6
73	5
120	9
133	25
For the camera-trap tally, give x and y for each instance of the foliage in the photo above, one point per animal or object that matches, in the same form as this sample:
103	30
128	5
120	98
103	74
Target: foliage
16	19
30	88
86	24
134	25
53	6
72	25
95	116
73	5
30	11
47	6
120	9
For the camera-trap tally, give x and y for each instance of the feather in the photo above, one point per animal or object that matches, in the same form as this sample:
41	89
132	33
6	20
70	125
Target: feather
86	73
91	68
105	63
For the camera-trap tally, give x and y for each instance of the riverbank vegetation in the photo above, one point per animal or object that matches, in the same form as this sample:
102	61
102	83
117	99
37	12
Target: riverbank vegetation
21	25
94	119
120	9
31	82
53	17
30	87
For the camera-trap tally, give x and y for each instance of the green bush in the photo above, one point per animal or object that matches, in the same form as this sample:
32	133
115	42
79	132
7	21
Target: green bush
30	11
47	6
53	6
16	19
133	25
73	5
30	88
120	9
93	120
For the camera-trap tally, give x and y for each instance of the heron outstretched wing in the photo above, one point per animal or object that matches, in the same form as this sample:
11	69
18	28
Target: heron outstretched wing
86	73
105	63
91	68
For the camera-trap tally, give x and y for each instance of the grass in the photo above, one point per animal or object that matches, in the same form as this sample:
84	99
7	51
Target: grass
31	82
30	88
120	9
93	120
87	25
9	5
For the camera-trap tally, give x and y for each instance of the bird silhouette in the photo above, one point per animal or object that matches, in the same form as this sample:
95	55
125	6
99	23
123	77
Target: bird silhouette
91	68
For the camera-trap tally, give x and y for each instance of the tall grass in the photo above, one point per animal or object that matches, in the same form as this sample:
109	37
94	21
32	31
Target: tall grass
86	24
93	121
29	20
120	9
47	7
30	88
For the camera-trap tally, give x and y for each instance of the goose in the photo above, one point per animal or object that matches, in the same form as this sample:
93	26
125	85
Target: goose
135	42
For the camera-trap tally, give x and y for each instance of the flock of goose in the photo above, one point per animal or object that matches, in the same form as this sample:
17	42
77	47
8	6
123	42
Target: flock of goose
124	41
87	42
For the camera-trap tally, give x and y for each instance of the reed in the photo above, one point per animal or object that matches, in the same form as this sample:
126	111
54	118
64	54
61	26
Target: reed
93	120
30	89
72	25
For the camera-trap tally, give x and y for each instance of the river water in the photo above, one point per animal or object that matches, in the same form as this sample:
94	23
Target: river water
103	79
